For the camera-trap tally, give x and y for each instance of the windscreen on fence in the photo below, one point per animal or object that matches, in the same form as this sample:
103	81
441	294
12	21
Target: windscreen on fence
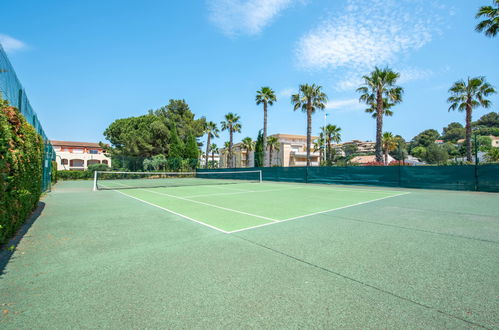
463	177
12	91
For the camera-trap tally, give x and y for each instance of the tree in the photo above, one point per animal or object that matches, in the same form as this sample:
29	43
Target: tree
265	96
214	150
211	131
319	145
231	124
350	149
191	151
419	152
453	132
332	134
466	96
487	124
248	145
259	150
176	150
424	139
379	91
226	153
400	153
436	154
309	99
389	143
274	145
493	155
491	22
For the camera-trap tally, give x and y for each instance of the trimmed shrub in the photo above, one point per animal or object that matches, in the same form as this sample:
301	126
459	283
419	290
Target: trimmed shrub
21	155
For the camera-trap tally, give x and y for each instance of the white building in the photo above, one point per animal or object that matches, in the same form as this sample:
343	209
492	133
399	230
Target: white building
72	155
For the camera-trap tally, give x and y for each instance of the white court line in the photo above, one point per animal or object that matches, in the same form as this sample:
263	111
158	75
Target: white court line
173	212
241	192
315	213
212	205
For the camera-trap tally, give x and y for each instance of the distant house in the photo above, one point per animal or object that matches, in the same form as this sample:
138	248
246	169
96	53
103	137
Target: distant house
439	141
71	155
368	159
493	139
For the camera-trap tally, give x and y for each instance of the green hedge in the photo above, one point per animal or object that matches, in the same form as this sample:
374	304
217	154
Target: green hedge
21	154
82	175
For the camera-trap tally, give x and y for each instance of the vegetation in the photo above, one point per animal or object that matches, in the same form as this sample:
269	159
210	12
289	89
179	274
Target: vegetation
21	154
490	24
214	150
309	99
319	145
380	92
248	145
466	96
259	150
273	145
211	132
332	133
453	132
231	124
389	143
265	96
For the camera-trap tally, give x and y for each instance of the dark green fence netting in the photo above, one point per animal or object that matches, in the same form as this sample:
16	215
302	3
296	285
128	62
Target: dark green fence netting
464	177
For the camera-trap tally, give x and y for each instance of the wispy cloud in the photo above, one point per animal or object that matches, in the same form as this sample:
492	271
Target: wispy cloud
248	17
287	92
347	104
367	33
10	44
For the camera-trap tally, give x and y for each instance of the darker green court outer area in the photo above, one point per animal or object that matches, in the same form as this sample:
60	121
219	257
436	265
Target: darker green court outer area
422	259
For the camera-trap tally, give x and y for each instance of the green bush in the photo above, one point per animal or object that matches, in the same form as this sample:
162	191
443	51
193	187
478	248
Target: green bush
21	154
53	173
74	175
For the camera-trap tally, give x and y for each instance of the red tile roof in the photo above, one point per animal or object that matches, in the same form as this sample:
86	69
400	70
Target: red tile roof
75	144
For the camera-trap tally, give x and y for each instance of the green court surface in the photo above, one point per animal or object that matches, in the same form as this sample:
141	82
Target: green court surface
255	255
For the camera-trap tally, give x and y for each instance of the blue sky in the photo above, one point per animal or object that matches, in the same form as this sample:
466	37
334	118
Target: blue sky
87	63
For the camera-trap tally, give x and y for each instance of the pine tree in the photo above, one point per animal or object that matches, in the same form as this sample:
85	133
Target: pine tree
259	150
191	151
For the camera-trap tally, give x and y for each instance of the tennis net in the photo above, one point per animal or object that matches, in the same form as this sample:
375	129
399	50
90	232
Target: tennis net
111	180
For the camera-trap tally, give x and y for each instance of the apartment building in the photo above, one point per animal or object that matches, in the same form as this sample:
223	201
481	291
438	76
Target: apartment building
71	155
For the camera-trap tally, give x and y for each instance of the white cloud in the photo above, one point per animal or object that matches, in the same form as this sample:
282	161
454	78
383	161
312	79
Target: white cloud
287	92
368	33
10	44
410	74
249	17
347	104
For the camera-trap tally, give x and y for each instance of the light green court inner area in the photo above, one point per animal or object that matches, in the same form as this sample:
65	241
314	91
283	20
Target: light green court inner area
236	207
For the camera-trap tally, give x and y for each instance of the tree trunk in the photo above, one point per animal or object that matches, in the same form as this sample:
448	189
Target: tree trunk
379	127
229	161
468	133
213	158
386	158
270	156
329	160
309	130
207	149
265	156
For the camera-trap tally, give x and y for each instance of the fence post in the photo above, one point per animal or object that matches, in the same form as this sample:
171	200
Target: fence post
476	161
306	174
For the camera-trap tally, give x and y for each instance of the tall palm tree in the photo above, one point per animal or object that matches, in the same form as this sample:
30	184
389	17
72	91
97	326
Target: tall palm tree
467	95
214	150
309	99
491	22
319	145
390	143
378	90
231	124
211	130
332	134
249	145
265	96
274	145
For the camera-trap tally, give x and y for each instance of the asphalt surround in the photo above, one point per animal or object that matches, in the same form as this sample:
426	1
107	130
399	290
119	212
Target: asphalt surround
427	259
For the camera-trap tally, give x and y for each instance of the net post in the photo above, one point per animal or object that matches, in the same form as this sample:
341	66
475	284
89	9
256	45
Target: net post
95	181
260	176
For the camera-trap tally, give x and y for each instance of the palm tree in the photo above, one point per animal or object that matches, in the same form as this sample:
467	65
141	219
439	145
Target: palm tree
266	96
249	145
332	134
211	130
467	95
319	145
214	150
491	22
309	99
231	124
226	153
274	145
378	90
389	144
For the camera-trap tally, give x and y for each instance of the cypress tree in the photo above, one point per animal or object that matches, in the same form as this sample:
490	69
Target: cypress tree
259	150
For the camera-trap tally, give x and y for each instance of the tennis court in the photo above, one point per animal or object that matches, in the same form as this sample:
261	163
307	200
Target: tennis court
235	204
254	255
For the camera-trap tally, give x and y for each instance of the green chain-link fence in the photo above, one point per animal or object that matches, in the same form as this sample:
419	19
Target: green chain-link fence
12	91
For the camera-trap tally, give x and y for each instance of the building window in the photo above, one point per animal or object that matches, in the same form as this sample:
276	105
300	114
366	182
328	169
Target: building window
77	163
77	151
64	161
93	151
104	161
